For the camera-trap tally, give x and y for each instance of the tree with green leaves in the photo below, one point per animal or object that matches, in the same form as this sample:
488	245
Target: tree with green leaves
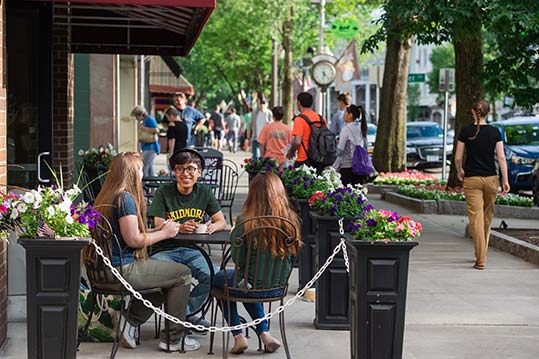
389	148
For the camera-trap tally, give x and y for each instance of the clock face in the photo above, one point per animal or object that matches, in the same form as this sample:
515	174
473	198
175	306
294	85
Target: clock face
323	73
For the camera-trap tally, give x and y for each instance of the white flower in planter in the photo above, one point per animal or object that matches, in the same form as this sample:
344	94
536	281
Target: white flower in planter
14	214
65	205
29	197
22	207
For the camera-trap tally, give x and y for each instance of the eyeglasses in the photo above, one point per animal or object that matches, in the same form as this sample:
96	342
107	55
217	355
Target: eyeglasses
188	169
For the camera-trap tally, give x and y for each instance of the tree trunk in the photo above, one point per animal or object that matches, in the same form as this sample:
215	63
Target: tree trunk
389	149
288	64
468	45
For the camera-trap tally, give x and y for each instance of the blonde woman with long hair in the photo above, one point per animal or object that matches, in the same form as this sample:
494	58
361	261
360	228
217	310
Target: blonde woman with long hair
121	202
266	197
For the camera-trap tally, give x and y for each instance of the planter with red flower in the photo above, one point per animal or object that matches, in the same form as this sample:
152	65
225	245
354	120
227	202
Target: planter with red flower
301	183
95	162
253	167
332	288
378	249
53	229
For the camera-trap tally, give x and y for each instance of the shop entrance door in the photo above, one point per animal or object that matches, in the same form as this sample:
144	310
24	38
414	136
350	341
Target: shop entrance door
29	93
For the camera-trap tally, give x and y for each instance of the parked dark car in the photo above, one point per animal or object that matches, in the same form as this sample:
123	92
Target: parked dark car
535	184
424	145
521	144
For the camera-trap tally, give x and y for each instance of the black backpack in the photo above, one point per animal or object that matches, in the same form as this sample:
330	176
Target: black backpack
322	143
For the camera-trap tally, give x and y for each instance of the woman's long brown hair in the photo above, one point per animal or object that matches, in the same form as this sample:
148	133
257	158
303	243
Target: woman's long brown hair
123	176
267	197
480	110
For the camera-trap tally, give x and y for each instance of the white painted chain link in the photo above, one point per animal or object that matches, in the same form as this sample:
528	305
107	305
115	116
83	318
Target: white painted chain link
344	251
200	327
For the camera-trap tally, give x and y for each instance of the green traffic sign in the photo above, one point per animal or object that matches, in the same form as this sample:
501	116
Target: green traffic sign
416	77
344	28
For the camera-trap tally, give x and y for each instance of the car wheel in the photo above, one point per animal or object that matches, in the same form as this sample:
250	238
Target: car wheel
535	189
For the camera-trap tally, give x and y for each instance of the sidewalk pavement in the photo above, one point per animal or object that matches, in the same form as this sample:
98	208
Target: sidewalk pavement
453	311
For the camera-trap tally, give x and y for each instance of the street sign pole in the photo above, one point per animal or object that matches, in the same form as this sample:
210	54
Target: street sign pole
444	155
446	84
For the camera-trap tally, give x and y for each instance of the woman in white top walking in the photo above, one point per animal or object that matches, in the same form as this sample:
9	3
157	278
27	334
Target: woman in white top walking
353	133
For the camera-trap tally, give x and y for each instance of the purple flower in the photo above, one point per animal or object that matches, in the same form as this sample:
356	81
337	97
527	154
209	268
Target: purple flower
338	198
333	210
368	207
371	222
360	200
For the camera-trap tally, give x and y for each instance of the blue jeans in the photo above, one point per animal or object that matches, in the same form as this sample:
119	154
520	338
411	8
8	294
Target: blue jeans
200	271
255	147
148	156
255	310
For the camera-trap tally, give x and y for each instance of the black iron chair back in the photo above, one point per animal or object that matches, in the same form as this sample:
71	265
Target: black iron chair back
228	184
243	288
214	163
103	282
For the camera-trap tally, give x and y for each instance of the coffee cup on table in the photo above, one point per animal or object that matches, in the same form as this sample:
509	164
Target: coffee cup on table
202	228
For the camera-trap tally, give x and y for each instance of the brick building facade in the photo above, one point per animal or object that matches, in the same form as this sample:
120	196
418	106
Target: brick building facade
37	42
3	180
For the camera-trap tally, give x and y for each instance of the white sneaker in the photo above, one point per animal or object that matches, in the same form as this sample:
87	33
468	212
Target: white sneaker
190	345
127	335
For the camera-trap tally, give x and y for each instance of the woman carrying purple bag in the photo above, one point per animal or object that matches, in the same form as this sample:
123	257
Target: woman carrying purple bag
354	133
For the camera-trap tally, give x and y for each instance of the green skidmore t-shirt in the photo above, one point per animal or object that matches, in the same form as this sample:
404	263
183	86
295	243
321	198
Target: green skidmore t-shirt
168	203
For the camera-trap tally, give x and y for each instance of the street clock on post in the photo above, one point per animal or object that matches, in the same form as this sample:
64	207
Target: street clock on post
324	73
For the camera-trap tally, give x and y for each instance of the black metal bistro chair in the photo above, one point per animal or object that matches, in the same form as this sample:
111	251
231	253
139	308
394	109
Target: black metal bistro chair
228	185
245	289
103	282
212	170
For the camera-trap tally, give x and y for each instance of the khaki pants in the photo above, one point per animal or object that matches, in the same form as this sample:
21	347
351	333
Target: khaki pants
175	278
480	195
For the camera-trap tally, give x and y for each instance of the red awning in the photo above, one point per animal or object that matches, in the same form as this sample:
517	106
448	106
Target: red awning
145	27
164	81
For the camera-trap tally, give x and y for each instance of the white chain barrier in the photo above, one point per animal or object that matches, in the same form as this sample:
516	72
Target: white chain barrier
344	251
199	327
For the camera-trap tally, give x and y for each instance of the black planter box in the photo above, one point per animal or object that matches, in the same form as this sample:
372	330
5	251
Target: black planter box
307	254
378	280
52	294
332	287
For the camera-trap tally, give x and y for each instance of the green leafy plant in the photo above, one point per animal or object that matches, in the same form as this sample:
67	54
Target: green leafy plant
303	182
266	164
98	156
349	201
46	212
382	225
434	192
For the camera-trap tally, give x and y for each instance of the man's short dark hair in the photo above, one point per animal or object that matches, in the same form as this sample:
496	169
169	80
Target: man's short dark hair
263	100
278	113
305	99
172	111
185	156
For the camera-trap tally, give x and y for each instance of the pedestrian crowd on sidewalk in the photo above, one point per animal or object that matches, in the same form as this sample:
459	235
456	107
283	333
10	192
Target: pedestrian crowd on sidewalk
264	133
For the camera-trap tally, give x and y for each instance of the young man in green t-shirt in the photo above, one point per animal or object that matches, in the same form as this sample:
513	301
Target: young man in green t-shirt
187	202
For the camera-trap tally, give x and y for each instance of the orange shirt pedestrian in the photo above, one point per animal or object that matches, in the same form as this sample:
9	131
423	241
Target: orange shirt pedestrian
276	137
302	128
